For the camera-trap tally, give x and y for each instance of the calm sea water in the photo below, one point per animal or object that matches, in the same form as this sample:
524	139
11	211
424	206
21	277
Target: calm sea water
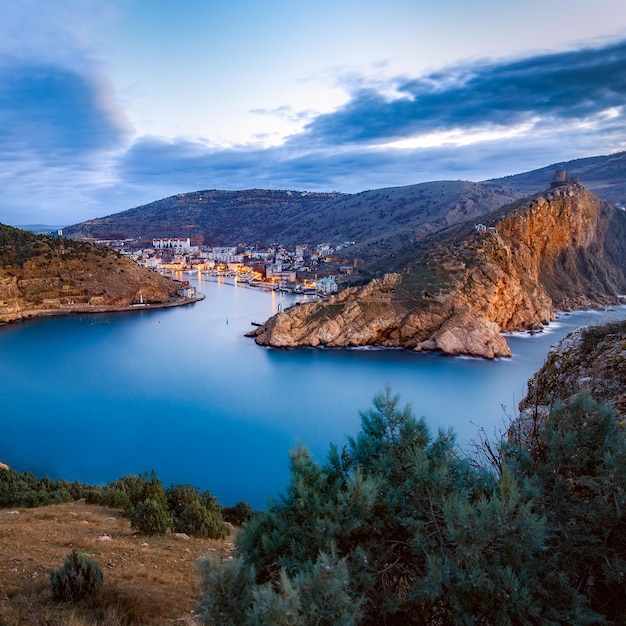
182	391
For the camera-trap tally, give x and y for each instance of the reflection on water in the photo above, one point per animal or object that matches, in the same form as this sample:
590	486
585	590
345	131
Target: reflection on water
184	392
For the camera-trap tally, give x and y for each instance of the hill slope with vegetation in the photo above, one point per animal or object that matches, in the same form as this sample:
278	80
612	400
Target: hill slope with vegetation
43	275
590	358
379	221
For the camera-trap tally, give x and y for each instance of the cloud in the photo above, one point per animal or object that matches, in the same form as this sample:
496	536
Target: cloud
57	32
175	166
52	113
558	87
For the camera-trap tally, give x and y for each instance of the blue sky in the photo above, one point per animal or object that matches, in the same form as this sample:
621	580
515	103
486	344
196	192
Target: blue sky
108	104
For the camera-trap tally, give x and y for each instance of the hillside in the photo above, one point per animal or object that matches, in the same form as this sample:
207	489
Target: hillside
379	221
213	217
456	290
42	275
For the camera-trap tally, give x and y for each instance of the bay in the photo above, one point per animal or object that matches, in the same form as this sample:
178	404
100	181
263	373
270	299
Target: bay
184	392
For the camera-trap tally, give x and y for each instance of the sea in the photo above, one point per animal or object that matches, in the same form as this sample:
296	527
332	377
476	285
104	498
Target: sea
184	392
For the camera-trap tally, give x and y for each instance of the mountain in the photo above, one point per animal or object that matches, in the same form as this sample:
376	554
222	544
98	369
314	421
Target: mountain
457	289
379	220
603	175
41	275
214	217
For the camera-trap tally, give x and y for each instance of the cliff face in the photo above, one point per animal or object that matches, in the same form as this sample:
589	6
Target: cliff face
43	275
590	359
458	289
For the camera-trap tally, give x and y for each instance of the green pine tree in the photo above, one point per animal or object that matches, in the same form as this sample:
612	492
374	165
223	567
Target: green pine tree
418	536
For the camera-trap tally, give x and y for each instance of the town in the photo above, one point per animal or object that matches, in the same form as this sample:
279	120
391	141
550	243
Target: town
304	269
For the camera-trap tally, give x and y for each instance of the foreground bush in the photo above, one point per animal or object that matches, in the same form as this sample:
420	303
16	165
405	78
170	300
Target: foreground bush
399	528
129	491
152	508
78	577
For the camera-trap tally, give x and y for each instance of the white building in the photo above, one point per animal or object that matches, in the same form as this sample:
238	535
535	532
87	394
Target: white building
226	254
326	285
179	244
187	292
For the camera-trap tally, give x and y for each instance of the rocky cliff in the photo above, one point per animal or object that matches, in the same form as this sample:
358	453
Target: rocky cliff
44	275
455	291
592	359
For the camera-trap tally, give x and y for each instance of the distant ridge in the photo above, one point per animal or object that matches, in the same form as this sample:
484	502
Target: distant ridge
604	175
39	229
380	220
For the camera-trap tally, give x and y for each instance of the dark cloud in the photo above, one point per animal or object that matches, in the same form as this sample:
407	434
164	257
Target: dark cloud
563	86
54	113
175	166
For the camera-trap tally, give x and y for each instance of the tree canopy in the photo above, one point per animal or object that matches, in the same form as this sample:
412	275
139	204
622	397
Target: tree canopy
399	527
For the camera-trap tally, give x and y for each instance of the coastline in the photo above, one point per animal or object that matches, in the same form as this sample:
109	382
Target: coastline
30	314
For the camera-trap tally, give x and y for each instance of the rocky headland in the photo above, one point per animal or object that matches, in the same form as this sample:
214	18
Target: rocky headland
457	290
42	275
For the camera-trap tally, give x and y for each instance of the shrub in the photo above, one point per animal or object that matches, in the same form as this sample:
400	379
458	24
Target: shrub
127	492
195	513
149	517
199	521
78	576
25	489
113	497
396	529
239	514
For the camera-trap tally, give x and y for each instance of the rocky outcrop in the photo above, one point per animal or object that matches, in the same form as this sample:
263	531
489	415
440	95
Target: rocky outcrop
591	359
47	276
456	290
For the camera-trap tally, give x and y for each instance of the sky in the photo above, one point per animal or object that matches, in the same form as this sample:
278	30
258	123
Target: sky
110	104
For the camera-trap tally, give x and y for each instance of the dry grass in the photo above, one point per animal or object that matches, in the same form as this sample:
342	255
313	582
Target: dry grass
147	580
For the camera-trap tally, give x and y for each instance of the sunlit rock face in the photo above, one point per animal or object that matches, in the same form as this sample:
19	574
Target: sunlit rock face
457	290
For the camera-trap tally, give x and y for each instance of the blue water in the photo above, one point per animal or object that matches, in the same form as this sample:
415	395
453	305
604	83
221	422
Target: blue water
182	391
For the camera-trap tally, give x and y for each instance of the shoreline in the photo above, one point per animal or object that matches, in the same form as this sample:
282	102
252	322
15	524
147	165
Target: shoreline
547	329
31	314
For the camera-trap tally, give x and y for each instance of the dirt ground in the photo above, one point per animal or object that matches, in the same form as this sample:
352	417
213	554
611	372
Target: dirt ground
147	580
